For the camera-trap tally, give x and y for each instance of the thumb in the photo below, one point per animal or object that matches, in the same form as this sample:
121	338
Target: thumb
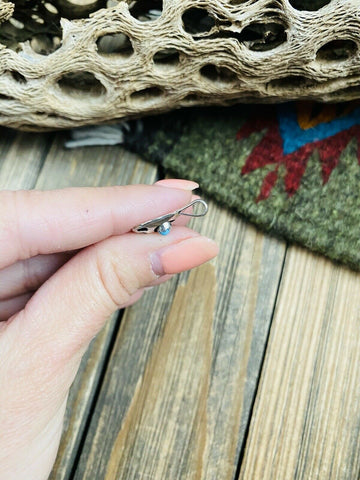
71	307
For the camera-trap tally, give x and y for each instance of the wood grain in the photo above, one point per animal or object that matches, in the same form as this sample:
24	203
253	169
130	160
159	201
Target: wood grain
21	159
181	355
7	137
174	405
306	420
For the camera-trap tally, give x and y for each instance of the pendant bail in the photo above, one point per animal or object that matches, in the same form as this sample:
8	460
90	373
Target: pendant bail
163	224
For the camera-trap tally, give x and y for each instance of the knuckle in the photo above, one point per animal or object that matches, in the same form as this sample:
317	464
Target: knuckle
116	283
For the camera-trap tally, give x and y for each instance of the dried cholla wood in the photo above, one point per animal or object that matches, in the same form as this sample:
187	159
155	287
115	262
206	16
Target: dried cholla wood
6	10
76	62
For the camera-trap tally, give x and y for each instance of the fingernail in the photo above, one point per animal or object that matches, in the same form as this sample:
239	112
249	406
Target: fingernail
195	197
177	183
184	255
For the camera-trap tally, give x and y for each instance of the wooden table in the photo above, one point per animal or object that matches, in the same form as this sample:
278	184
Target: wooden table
246	368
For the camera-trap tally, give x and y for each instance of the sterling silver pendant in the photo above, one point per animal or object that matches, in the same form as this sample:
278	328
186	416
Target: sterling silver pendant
163	225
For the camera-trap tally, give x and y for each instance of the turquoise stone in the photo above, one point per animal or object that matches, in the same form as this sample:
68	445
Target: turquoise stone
165	228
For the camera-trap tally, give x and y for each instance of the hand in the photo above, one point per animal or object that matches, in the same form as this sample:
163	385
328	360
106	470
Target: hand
67	262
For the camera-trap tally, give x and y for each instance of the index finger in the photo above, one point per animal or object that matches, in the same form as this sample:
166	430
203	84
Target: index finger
41	222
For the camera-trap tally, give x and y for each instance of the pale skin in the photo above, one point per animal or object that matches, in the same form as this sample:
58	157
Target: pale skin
67	261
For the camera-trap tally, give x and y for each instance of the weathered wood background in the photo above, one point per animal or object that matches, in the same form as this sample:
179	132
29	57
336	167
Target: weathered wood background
246	368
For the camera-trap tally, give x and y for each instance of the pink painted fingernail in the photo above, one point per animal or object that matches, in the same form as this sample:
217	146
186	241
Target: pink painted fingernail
184	255
177	183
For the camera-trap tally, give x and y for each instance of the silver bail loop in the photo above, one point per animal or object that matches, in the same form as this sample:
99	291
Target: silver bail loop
162	224
201	213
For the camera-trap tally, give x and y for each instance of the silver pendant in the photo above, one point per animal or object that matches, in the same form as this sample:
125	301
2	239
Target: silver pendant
163	225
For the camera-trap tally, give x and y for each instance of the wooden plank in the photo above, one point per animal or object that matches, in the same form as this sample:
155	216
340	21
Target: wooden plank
178	391
306	420
7	137
95	166
21	159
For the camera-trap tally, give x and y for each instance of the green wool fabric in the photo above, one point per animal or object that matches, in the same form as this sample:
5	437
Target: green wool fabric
201	145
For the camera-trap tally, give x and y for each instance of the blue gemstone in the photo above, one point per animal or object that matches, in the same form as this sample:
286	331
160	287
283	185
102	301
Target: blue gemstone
165	228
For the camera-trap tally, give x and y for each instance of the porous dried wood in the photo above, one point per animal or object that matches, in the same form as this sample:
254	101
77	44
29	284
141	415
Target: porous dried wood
74	62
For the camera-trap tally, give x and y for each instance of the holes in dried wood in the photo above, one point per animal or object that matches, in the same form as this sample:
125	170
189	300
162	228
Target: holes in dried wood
16	23
146	10
147	94
18	77
351	92
192	97
51	8
115	44
197	20
337	50
310	5
216	73
260	37
46	115
81	84
73	9
6	97
168	56
45	44
37	21
292	82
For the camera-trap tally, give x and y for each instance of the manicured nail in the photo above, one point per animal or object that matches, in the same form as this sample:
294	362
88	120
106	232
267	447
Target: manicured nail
177	183
195	197
184	255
